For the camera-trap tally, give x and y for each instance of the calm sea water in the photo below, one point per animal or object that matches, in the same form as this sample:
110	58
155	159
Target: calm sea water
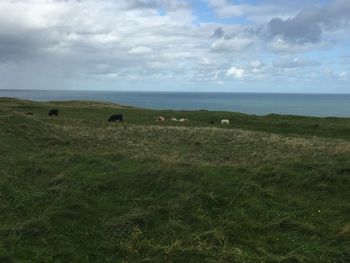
335	105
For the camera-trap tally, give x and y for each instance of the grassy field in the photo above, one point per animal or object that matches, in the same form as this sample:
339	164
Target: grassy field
79	189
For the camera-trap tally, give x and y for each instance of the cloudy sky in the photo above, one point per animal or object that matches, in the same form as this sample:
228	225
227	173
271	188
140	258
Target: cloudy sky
168	45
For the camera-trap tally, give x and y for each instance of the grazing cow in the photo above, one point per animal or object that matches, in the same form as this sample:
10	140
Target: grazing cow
227	122
53	113
184	120
210	122
29	113
173	119
116	117
160	119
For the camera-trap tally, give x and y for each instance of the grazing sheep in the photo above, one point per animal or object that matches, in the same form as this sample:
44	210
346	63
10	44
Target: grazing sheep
225	121
184	120
173	119
160	119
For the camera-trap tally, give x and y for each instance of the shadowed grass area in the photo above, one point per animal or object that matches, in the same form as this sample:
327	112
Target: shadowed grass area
79	189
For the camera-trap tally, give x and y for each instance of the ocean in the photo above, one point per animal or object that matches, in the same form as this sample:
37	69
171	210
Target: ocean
320	105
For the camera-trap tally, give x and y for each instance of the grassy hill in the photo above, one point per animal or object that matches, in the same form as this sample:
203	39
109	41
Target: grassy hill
79	189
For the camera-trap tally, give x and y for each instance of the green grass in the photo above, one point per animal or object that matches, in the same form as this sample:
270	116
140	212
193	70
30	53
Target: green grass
79	189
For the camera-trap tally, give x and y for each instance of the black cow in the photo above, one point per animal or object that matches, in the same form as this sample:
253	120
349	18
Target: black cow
116	117
53	113
210	122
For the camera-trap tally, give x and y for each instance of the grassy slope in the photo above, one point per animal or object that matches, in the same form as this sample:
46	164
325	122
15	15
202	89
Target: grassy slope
76	188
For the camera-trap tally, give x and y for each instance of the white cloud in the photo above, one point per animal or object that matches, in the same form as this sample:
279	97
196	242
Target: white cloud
344	76
235	72
279	45
231	44
84	33
145	39
140	50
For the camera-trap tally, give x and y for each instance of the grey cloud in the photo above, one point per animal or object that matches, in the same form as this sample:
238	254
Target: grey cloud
94	42
234	42
218	33
309	24
129	39
140	4
157	4
16	46
294	30
295	34
130	4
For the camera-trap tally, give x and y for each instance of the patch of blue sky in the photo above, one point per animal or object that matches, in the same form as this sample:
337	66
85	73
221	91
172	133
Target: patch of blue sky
161	12
330	56
206	14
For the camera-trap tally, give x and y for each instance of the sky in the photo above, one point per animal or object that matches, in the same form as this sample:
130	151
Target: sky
176	45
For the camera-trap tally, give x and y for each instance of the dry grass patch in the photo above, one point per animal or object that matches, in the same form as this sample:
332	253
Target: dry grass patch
206	146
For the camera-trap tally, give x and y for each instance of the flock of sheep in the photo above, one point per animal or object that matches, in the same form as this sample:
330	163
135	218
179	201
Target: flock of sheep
119	117
162	119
